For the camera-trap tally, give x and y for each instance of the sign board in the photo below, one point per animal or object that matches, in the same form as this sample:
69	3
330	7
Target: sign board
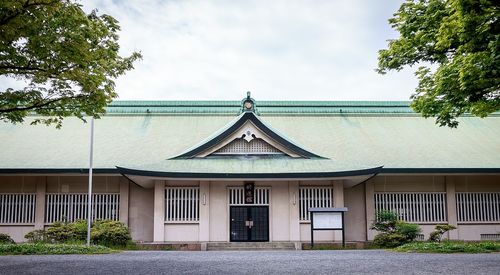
327	220
249	192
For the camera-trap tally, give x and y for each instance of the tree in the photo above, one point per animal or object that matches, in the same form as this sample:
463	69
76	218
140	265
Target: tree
67	58
458	44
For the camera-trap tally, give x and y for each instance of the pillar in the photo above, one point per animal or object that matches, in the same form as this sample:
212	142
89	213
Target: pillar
41	188
124	199
293	193
338	201
370	208
204	224
159	212
451	207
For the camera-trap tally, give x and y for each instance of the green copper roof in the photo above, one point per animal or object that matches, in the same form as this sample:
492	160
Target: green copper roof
251	166
262	107
136	139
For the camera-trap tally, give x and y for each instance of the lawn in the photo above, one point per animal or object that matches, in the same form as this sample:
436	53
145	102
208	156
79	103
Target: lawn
51	249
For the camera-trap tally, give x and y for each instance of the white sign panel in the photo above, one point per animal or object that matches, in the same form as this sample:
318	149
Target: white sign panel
325	220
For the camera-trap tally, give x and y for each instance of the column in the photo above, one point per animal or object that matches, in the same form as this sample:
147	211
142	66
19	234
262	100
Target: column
451	207
204	224
159	212
293	192
41	188
370	208
338	201
124	199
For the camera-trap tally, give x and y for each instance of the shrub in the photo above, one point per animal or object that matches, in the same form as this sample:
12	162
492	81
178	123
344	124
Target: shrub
50	249
385	221
37	236
60	232
439	231
393	231
408	230
79	229
450	247
389	240
6	239
110	233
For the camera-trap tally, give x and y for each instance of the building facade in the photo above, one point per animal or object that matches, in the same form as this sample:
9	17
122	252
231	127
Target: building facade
224	171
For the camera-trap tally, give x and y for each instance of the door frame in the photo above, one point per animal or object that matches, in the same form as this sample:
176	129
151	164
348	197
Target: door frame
248	206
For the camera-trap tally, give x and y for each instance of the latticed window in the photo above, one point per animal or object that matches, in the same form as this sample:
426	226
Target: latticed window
314	197
17	208
74	206
237	196
182	204
256	146
414	207
478	207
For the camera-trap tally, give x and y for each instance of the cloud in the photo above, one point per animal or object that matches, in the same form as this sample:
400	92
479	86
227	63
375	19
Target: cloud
279	50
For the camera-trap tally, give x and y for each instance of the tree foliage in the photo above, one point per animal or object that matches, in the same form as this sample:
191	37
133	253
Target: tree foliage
67	58
458	44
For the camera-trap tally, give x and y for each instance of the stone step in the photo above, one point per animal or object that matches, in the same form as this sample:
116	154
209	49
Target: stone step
251	246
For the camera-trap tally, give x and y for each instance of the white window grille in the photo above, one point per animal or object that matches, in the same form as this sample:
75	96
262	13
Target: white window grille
414	207
490	237
237	196
314	197
478	207
17	208
182	204
73	206
256	146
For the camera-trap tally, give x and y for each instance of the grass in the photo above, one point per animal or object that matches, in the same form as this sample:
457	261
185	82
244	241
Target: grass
51	249
450	247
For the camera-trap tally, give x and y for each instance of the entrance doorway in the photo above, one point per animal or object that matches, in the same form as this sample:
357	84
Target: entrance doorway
249	224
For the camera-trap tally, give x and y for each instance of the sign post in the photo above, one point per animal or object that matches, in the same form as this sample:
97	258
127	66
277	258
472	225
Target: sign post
327	219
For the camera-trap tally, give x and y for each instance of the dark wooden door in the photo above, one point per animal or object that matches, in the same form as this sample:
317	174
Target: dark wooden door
249	224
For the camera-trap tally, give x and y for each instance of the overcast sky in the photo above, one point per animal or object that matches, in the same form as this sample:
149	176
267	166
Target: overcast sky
279	50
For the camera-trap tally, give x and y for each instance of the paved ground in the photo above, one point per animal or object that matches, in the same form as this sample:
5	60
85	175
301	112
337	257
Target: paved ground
254	262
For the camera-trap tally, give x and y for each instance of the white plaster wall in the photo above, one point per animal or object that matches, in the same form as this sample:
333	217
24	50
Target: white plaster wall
141	213
355	217
16	232
183	232
472	232
279	215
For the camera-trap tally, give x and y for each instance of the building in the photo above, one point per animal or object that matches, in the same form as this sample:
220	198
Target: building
224	171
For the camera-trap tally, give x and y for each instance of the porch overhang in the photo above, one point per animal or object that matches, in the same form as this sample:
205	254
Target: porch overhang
249	170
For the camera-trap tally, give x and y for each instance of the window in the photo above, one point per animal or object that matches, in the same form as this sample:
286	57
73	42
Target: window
72	207
478	207
414	207
17	208
182	204
237	196
314	197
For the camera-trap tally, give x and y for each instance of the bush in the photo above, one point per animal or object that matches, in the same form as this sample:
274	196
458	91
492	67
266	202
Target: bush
439	231
6	239
60	232
389	240
393	231
37	236
103	232
48	249
408	230
110	233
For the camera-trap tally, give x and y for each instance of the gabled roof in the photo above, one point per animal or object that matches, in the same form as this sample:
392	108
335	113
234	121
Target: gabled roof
234	125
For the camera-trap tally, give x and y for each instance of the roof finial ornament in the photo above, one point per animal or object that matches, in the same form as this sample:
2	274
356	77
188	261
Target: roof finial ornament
248	103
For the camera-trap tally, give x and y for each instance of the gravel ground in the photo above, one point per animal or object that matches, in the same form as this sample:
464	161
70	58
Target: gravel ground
254	262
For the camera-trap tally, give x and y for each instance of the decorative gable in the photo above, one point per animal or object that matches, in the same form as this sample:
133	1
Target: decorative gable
247	135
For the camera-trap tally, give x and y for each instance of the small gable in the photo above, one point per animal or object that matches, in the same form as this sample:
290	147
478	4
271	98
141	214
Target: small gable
247	135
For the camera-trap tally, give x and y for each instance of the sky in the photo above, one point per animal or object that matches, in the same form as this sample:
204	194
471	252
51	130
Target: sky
278	50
